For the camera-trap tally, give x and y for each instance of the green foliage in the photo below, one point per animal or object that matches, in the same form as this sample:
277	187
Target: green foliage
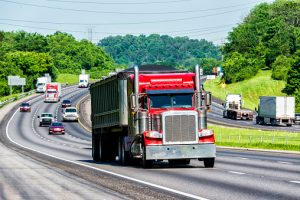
238	68
269	31
281	66
31	64
160	49
293	81
31	55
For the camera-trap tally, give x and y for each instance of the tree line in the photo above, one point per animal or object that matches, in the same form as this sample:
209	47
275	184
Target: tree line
182	52
268	38
31	55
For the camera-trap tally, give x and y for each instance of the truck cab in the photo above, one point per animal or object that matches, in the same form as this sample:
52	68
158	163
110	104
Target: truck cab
158	113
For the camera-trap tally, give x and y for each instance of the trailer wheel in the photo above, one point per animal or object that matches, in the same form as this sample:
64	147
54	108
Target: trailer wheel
95	147
209	162
146	163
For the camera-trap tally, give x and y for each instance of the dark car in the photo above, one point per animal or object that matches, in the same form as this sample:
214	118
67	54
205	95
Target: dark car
297	118
25	107
66	103
56	127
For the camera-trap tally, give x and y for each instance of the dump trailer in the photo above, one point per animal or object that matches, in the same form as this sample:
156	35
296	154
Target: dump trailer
233	108
151	113
276	110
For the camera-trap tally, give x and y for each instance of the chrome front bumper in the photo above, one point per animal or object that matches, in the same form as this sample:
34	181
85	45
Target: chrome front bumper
188	151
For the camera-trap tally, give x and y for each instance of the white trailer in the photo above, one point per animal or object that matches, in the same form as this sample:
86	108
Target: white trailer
84	80
276	110
41	83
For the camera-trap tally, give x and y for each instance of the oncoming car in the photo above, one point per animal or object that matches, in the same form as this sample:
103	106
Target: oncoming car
56	127
46	119
25	107
70	114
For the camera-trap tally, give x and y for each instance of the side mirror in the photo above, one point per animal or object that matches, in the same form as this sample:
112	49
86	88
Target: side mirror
255	109
132	103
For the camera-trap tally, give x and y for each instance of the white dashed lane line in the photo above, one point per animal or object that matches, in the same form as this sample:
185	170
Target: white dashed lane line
298	182
281	162
234	172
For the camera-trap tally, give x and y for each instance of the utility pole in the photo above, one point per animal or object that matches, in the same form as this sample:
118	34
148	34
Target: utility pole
90	34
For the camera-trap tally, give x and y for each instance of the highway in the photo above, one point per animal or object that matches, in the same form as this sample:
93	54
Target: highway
68	172
215	116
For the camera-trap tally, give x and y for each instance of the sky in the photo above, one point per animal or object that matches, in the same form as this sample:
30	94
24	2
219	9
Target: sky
96	19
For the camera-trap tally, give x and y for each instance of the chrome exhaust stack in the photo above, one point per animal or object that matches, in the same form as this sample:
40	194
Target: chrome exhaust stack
136	87
201	102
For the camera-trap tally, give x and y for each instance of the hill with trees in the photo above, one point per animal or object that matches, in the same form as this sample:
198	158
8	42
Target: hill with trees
31	55
161	49
267	39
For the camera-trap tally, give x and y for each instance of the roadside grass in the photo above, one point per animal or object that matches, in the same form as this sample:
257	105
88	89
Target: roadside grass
70	79
4	98
260	85
258	139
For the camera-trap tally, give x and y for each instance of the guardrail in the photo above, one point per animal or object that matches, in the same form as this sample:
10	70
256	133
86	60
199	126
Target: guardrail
3	103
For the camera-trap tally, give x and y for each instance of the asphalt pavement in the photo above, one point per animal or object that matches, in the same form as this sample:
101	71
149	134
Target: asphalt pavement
238	174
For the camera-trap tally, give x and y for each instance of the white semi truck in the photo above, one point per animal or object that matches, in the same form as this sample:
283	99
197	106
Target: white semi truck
276	110
233	108
41	83
84	80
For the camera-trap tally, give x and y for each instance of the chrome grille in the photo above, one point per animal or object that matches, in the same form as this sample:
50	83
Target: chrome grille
180	127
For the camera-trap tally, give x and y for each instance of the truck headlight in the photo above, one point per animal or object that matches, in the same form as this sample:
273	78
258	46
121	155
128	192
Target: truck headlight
153	134
205	132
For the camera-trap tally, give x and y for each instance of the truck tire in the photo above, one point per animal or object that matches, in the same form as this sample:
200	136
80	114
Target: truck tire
209	162
123	155
95	147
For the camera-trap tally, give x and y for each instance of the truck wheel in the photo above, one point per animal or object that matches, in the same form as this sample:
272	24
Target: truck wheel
123	155
209	162
95	147
146	163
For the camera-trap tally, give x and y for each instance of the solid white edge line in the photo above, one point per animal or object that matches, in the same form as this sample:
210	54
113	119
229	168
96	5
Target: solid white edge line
105	171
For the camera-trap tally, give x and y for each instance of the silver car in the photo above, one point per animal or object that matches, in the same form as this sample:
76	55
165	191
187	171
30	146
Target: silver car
70	114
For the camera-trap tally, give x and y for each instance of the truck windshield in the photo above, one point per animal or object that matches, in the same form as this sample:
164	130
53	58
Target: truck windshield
47	115
41	84
51	91
171	101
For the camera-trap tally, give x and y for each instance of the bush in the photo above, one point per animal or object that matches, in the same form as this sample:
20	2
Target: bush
238	68
281	66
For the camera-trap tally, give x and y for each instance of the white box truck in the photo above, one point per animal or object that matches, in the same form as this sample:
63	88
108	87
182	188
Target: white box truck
84	80
53	92
276	110
41	83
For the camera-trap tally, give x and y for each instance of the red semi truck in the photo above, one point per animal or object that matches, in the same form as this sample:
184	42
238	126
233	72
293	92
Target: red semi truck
53	92
151	113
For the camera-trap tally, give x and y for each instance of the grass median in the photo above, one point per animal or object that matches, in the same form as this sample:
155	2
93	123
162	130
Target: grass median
259	139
